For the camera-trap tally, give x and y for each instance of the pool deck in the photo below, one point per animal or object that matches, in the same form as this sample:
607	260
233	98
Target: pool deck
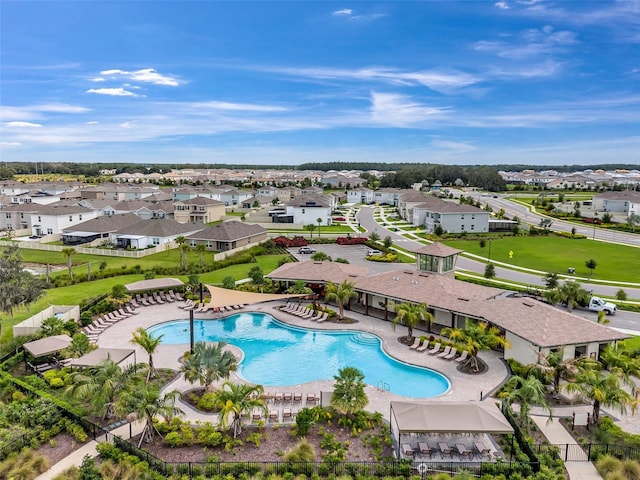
463	387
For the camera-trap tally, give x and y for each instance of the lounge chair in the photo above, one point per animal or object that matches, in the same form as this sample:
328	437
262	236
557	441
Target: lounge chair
188	305
176	295
156	297
142	300
277	397
311	398
407	451
435	349
415	344
123	313
287	414
287	397
323	318
130	310
462	357
423	347
112	317
256	415
274	415
452	354
133	302
308	314
297	397
445	352
149	298
317	316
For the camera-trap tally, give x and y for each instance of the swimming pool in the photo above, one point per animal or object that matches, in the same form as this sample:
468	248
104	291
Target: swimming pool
277	354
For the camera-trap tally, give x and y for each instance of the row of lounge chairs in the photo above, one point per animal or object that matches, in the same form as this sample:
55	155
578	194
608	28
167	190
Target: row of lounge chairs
293	398
94	329
448	353
301	311
154	298
444	449
203	307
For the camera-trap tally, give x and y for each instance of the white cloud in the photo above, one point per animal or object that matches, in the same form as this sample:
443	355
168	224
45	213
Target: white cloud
117	92
454	147
93	123
10	144
437	80
128	124
530	43
99	79
145	75
238	107
342	13
400	110
35	112
501	5
23	124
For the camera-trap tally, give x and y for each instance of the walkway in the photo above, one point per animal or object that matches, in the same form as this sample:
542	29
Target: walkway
578	469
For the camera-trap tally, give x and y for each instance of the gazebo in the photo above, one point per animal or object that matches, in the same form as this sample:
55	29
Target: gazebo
96	357
154	284
445	418
48	345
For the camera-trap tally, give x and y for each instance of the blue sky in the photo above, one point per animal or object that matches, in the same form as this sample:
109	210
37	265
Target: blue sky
455	82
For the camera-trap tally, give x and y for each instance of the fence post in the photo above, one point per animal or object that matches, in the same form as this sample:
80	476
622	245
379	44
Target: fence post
589	452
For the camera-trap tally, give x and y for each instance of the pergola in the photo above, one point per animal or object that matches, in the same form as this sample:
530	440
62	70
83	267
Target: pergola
48	345
96	357
154	284
446	417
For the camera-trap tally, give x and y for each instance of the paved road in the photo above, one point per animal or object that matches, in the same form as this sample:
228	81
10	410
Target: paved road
513	209
624	320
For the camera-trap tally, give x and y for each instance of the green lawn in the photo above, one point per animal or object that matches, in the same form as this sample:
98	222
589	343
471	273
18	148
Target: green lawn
557	254
74	294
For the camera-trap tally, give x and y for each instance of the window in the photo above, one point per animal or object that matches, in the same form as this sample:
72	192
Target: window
209	244
155	241
303	211
192	243
79	217
71	218
39	219
428	263
447	263
49	231
473	226
8	215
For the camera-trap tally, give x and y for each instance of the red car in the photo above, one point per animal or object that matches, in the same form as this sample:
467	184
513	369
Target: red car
339	219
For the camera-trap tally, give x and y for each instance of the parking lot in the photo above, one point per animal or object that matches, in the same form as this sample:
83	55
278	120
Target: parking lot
354	253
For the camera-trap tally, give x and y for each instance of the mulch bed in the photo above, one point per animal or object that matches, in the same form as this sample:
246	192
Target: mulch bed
274	442
64	443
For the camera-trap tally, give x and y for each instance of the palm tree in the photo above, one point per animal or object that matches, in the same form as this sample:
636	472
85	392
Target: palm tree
555	367
604	390
411	314
477	337
149	344
235	399
68	252
201	248
184	261
525	392
209	363
633	220
619	362
572	294
101	385
319	220
342	293
146	401
180	240
311	227
348	392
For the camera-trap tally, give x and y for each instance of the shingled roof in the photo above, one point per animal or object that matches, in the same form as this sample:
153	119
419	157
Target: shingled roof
228	231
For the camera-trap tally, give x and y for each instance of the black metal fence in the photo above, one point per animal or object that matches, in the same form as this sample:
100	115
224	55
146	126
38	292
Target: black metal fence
589	452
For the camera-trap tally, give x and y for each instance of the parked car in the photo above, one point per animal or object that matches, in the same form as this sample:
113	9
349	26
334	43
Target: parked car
373	251
340	219
303	250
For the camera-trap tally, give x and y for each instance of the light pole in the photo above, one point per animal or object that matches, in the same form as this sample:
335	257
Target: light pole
595	220
489	251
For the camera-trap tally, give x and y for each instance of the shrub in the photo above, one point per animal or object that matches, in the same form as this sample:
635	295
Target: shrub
207	402
174	439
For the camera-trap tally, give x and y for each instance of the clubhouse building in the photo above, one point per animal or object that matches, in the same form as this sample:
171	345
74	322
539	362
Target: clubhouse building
531	326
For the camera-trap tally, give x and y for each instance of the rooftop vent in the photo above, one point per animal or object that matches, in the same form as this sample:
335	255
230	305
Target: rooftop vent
463	299
527	304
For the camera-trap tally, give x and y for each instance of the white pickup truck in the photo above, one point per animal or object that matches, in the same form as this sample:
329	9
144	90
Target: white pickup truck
597	304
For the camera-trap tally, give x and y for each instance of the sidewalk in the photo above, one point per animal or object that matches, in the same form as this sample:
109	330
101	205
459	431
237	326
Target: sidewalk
581	469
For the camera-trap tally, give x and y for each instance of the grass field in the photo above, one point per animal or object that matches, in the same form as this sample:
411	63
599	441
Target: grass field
557	254
74	294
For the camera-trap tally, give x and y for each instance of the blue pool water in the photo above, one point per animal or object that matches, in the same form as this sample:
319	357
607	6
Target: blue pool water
277	354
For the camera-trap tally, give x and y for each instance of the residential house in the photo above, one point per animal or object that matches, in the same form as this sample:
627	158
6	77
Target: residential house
235	197
626	202
451	217
119	193
387	196
101	227
407	200
198	209
228	236
52	219
360	195
306	210
147	233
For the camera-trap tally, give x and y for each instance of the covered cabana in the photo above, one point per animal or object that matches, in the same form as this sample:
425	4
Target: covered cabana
224	297
48	345
96	357
445	423
154	284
